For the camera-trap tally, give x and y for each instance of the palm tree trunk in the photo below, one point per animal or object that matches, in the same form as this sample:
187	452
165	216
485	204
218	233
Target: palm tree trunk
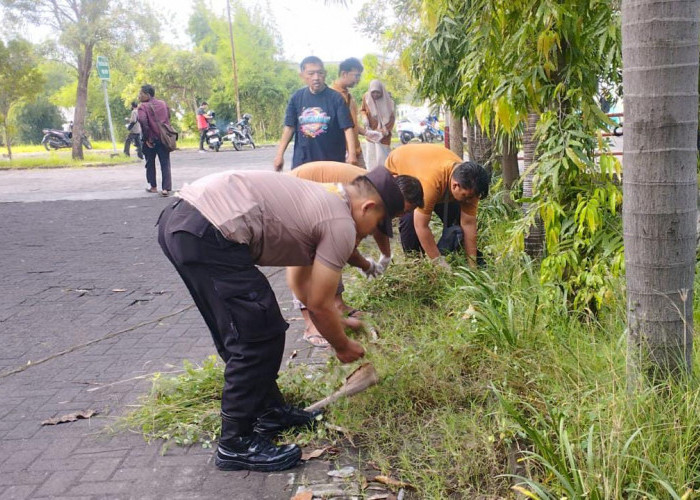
534	241
479	146
660	62
509	165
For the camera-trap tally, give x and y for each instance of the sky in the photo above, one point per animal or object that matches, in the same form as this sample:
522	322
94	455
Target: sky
323	28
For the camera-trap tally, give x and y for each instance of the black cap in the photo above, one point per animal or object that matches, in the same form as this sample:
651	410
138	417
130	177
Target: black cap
391	195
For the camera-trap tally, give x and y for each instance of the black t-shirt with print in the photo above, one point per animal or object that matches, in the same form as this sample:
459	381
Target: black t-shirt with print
319	121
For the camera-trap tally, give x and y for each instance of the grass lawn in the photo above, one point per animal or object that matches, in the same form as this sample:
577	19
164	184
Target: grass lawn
62	158
484	374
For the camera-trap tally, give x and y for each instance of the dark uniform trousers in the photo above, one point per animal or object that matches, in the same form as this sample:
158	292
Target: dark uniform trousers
238	305
407	231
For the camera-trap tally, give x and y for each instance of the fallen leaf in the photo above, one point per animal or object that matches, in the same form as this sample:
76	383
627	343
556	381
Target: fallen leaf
304	495
296	318
119	289
305	456
294	354
378	496
70	417
391	482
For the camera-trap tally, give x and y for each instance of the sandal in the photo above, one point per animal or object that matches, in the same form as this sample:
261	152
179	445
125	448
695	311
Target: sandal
165	193
151	190
317	340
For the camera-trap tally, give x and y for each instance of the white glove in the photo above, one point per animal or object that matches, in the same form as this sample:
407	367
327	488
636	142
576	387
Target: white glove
383	263
442	262
372	271
373	135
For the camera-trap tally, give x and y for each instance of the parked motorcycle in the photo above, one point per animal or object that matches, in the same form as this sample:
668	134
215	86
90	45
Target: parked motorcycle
432	133
410	129
424	130
57	139
240	133
212	136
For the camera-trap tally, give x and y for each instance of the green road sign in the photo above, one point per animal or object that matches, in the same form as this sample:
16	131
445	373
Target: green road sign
102	68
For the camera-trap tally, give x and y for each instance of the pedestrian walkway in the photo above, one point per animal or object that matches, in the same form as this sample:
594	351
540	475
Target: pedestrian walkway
89	308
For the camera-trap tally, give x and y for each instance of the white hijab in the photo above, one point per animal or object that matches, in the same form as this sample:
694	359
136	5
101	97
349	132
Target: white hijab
381	109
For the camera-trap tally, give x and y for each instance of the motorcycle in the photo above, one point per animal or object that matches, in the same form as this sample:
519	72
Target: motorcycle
56	139
240	133
432	133
410	129
212	136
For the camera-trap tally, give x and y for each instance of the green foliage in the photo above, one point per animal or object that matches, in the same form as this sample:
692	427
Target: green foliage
479	57
32	117
20	79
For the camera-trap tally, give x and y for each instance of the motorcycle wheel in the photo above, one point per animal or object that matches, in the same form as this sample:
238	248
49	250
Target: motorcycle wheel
86	143
406	137
46	145
236	144
216	148
250	139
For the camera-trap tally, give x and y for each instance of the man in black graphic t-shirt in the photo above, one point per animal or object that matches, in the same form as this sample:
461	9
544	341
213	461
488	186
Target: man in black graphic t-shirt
319	121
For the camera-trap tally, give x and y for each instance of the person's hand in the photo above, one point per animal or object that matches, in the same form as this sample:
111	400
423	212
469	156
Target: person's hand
373	135
150	144
442	262
351	351
372	271
278	163
352	159
383	263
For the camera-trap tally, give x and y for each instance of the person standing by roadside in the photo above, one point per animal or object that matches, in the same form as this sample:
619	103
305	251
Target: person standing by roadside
378	111
349	74
202	123
151	113
318	120
134	135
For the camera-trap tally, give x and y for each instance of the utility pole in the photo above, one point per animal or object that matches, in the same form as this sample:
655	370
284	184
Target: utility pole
233	60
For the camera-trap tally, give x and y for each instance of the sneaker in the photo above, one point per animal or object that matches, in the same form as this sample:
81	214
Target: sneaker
277	419
256	453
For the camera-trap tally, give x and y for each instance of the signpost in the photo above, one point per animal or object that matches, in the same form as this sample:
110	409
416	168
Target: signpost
103	74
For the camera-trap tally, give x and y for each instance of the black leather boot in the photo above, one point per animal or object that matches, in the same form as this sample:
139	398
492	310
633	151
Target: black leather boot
277	419
240	448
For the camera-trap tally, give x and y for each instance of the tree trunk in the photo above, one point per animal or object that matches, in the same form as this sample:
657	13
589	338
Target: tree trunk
479	146
509	165
534	241
84	68
456	142
7	135
660	62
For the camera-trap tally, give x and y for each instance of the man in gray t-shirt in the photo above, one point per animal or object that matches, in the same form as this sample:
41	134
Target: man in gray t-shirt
225	224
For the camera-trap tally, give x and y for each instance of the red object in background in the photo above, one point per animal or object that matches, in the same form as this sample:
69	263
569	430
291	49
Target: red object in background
447	136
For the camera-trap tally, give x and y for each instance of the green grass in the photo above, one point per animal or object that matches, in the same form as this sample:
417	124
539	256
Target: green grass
473	364
62	158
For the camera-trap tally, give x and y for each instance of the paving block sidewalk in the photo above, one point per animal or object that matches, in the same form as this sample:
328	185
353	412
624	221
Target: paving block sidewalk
89	308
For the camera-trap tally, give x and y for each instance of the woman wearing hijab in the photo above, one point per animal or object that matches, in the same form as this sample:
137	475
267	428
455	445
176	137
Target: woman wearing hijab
378	110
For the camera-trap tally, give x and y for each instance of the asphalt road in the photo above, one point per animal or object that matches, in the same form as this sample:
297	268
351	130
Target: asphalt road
126	181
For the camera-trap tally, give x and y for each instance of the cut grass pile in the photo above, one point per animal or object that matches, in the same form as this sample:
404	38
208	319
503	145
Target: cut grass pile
477	364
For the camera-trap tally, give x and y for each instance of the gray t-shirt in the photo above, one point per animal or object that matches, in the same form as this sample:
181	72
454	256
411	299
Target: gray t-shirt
284	220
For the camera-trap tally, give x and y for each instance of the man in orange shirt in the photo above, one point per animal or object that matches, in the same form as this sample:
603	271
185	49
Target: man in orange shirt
446	179
349	74
331	172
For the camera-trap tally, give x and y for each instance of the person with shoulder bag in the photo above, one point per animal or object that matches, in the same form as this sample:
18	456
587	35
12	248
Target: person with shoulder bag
159	138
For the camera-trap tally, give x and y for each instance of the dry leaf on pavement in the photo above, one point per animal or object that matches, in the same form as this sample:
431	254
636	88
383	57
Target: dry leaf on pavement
70	417
304	495
308	455
390	481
